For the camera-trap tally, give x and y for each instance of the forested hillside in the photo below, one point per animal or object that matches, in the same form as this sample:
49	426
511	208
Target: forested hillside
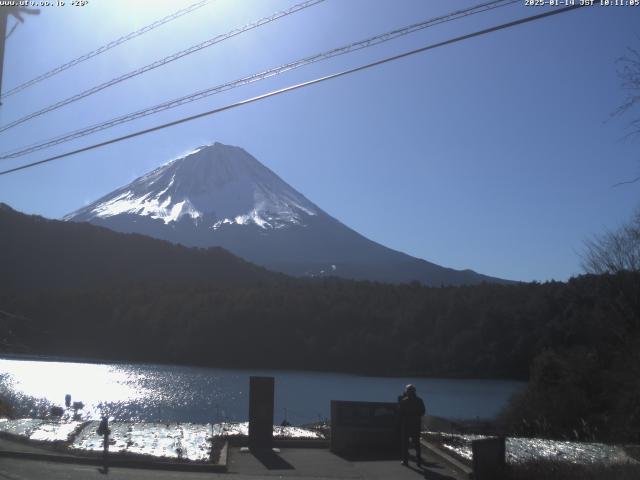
41	254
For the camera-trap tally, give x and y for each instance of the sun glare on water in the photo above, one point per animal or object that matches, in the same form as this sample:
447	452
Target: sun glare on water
92	384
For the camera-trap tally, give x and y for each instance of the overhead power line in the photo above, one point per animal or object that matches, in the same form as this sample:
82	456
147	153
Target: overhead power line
299	85
17	13
104	48
368	42
163	61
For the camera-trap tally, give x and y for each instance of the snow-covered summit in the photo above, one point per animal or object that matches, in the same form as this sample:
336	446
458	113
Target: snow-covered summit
213	186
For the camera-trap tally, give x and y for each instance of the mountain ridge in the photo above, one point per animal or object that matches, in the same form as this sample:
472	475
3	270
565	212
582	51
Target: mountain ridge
39	253
220	195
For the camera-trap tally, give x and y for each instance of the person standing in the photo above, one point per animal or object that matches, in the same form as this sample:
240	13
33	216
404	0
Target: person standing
104	430
411	409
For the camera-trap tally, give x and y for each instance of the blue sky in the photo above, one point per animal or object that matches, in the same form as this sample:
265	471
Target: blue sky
496	154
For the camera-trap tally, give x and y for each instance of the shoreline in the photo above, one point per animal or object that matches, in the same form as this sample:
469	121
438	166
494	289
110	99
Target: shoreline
105	361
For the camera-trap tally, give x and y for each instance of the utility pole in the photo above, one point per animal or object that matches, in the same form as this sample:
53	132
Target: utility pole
4	19
4	16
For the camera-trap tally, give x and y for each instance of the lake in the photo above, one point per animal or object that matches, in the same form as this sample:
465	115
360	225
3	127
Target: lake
169	393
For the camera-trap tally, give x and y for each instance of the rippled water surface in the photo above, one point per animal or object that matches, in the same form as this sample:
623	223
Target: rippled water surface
134	392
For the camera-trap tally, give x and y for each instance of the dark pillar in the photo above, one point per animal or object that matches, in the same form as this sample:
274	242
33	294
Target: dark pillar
3	33
488	458
261	412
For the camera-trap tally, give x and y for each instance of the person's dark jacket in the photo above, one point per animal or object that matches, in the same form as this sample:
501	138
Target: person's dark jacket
411	411
103	428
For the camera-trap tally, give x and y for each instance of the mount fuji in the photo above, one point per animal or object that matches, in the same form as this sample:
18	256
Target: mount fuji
220	195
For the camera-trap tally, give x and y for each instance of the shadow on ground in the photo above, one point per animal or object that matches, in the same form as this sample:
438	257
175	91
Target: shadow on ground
368	456
430	471
271	460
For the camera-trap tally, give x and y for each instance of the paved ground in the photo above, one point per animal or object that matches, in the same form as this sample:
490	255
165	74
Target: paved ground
291	464
13	469
319	463
8	445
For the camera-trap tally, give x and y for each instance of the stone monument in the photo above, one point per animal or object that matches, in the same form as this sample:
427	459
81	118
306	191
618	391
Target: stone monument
261	391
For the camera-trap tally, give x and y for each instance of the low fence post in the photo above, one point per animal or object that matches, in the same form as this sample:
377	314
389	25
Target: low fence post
488	458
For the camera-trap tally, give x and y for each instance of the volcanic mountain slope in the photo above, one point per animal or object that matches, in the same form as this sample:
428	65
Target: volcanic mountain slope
220	195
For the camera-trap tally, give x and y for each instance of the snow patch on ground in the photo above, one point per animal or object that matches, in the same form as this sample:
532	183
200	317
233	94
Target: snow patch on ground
242	428
40	430
168	440
184	441
519	450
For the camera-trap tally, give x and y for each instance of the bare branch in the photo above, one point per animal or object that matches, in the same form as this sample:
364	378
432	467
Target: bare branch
614	251
626	182
628	70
